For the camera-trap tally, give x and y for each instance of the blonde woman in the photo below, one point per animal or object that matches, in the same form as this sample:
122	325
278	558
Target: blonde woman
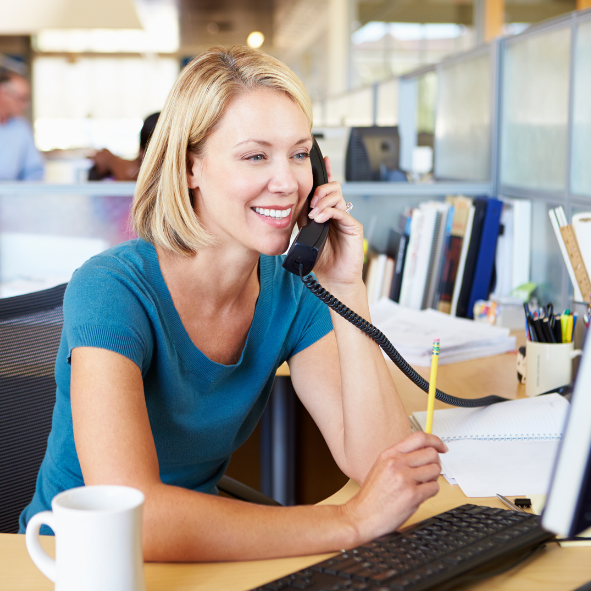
171	341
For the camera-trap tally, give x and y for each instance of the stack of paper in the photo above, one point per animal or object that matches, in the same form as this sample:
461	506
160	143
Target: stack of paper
507	448
412	333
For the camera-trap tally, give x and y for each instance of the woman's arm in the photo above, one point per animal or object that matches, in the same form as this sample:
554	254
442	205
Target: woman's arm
343	379
115	446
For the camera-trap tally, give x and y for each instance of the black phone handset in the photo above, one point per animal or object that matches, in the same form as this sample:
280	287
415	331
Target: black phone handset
307	245
300	260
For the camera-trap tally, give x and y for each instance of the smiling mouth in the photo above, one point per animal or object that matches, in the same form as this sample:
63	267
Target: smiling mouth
273	213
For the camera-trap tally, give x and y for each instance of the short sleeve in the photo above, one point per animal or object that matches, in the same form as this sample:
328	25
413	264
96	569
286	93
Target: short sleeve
104	308
312	322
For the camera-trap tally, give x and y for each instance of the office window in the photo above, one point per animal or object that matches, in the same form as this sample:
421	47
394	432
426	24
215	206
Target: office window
98	102
463	126
535	111
581	138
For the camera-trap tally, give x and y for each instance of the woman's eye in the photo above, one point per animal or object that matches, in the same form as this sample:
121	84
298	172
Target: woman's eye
302	156
257	157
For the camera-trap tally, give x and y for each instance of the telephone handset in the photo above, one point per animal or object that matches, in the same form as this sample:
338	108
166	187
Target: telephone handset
300	260
307	245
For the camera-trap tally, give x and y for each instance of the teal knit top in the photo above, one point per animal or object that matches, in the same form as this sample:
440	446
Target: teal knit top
200	411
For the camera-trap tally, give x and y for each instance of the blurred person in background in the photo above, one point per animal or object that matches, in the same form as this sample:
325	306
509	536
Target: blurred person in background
109	166
19	158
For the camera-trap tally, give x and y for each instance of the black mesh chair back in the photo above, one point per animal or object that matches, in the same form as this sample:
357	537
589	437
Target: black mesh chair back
30	330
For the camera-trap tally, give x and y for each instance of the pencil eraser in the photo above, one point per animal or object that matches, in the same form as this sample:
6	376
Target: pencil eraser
523	502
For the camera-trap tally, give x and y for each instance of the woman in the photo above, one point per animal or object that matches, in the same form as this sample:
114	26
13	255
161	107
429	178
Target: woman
174	338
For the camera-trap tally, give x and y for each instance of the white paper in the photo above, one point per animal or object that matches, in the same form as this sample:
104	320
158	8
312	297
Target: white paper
543	417
488	468
412	333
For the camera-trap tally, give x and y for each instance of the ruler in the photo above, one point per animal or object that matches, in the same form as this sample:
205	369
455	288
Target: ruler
576	259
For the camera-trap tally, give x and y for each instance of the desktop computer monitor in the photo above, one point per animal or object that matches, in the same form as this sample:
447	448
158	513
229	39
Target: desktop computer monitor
568	504
373	154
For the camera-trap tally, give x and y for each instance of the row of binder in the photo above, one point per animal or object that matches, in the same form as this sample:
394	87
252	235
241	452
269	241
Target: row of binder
443	254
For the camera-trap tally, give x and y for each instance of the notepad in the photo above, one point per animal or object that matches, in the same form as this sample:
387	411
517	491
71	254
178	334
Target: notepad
507	448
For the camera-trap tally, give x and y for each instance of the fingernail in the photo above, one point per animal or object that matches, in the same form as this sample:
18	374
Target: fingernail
313	213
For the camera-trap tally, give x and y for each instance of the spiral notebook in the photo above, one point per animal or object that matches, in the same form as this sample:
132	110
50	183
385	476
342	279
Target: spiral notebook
507	448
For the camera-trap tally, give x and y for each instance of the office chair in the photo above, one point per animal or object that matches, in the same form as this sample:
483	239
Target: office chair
30	332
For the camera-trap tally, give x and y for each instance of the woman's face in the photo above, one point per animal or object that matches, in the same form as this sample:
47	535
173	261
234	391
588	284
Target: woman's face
253	178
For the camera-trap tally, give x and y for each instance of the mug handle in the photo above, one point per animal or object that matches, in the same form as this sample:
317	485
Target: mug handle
576	353
43	562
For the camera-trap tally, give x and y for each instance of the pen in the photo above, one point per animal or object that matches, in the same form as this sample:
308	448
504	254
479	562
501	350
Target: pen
510	504
432	386
548	331
557	329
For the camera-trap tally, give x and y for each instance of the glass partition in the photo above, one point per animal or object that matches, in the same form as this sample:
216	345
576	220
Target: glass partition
581	134
427	99
45	235
463	136
535	110
387	103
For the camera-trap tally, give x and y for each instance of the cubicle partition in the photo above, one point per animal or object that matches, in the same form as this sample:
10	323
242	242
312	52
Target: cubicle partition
47	231
511	118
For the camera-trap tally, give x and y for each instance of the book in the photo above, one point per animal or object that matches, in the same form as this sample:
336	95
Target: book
439	254
416	223
461	208
505	448
371	276
399	268
388	277
393	243
462	261
483	272
426	238
379	278
467	277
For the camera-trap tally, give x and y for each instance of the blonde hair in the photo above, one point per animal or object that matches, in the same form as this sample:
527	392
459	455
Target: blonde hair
162	210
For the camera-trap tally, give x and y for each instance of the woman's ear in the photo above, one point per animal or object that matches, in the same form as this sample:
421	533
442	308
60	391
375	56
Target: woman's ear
193	171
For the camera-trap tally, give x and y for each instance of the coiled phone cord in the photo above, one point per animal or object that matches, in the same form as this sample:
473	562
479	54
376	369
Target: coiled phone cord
379	337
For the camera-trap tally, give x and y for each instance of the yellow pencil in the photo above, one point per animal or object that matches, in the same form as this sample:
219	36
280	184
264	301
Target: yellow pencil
432	386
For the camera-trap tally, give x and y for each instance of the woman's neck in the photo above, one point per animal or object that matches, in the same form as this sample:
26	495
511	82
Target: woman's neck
219	278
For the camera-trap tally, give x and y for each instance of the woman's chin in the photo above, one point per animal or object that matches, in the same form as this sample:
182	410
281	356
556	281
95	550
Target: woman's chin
276	249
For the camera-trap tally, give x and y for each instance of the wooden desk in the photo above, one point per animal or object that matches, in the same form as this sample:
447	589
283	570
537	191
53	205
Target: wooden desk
554	569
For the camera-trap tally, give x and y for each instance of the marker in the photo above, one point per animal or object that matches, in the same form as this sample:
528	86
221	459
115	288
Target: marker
563	323
569	329
432	386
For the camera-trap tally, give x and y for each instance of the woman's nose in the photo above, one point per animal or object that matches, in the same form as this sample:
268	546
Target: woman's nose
283	180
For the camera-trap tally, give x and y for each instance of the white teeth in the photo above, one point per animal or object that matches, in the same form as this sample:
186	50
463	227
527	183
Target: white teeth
273	213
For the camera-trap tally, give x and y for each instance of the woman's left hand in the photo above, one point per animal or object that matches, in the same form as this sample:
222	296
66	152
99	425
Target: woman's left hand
341	261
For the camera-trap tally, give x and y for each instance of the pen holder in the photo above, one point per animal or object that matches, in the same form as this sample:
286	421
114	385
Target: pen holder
548	365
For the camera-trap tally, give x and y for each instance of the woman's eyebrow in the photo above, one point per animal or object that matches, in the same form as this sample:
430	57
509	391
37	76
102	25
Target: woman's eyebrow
266	143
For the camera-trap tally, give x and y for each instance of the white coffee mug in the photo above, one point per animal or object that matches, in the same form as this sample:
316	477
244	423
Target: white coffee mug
548	365
98	539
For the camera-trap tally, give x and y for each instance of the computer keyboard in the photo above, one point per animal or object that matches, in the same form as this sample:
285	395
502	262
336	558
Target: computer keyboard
468	539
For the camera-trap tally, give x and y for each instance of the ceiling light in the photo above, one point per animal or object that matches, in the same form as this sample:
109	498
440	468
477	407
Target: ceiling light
255	39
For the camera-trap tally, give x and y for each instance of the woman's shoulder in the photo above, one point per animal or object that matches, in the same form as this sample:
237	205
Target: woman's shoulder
130	267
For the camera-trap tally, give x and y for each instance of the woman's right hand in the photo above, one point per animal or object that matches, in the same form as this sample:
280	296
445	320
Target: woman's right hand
402	477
